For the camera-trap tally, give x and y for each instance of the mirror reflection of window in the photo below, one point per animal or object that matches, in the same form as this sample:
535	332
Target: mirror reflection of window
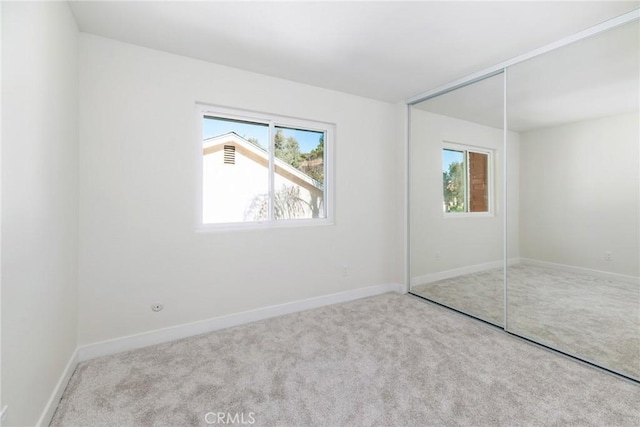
456	199
453	180
465	181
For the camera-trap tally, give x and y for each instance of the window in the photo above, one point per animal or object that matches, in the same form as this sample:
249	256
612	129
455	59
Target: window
258	168
466	175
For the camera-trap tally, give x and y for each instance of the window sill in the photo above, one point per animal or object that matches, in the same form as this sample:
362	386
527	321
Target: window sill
469	215
263	225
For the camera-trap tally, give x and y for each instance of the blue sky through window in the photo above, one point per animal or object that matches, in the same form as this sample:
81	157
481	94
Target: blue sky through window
451	156
308	140
214	127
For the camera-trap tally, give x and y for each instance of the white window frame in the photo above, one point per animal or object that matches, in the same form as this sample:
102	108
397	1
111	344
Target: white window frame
490	178
272	120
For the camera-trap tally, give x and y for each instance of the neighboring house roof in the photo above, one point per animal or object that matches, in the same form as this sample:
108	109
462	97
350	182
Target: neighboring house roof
259	155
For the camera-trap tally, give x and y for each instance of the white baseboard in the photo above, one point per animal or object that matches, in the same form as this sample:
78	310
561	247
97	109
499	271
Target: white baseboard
173	333
582	270
470	269
54	400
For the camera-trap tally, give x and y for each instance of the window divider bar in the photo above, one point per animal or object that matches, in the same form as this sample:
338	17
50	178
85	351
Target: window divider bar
467	184
272	169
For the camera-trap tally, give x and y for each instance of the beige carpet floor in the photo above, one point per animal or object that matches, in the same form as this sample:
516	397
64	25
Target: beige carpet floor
390	360
590	317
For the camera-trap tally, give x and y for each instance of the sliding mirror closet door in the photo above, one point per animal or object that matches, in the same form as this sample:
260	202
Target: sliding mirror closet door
456	217
575	286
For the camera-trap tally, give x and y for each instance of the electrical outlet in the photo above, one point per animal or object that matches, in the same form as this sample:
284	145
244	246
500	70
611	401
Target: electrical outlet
437	255
608	256
157	307
345	270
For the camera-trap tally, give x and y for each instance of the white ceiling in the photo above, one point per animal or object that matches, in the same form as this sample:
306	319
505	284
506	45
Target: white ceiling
382	50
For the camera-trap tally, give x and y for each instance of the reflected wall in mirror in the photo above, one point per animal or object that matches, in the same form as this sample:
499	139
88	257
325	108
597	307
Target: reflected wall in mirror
576	287
456	217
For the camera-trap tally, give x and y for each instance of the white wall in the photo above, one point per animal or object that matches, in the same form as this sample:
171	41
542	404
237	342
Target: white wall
139	154
39	203
1	85
464	240
580	194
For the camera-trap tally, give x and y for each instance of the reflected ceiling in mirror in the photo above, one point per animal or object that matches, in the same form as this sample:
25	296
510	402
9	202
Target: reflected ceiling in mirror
592	78
569	79
480	102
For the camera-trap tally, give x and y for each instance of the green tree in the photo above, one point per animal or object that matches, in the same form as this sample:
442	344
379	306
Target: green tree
453	187
287	149
318	152
314	164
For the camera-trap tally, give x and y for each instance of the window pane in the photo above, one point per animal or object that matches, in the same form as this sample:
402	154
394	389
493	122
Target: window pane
299	173
235	168
478	184
453	180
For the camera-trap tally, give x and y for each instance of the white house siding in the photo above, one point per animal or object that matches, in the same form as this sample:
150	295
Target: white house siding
230	189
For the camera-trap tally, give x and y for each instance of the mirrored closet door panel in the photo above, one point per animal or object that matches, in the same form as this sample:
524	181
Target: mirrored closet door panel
455	199
573	276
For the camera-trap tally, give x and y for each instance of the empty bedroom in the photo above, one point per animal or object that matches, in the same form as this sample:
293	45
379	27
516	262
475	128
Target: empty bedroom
320	213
